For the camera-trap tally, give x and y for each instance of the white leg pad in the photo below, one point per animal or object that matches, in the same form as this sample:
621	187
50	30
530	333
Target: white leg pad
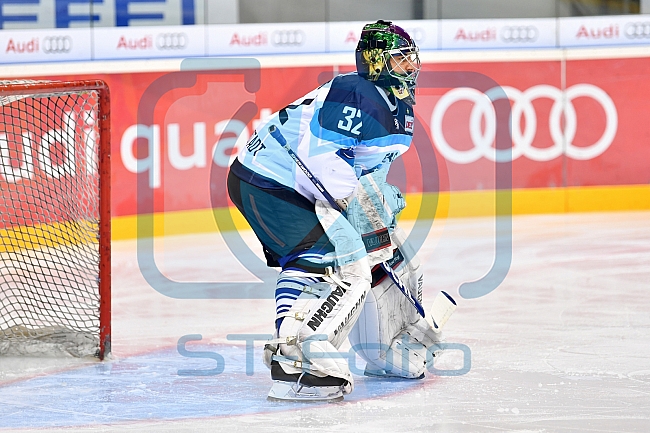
408	355
316	327
390	335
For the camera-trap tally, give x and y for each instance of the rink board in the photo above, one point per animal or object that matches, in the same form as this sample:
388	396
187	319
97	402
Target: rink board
419	206
175	133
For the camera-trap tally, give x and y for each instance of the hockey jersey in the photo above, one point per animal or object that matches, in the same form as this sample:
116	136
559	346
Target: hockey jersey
343	129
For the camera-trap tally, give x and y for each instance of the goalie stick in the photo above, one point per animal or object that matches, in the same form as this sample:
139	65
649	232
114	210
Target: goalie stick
442	308
443	305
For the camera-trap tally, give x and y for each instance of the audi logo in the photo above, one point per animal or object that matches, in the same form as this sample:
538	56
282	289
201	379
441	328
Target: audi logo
519	34
562	111
288	37
637	30
57	44
171	41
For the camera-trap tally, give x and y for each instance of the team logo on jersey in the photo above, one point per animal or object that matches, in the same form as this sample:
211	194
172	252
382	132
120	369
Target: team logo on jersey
408	123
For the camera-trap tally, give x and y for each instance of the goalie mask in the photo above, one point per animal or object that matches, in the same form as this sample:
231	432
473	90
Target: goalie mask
388	56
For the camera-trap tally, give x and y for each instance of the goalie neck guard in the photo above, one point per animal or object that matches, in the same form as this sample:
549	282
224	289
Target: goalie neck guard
388	56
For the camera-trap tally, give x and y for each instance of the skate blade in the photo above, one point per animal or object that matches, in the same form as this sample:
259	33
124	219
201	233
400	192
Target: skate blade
285	391
383	374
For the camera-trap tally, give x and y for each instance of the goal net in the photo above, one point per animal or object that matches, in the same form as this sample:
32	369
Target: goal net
54	218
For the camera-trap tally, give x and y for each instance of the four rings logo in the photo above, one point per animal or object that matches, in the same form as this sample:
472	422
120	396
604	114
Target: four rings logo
562	112
288	37
519	34
57	44
637	30
171	41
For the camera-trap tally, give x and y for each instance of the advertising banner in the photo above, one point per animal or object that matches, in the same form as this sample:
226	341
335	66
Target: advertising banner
182	41
149	42
49	14
587	132
605	30
607	139
498	33
49	45
249	39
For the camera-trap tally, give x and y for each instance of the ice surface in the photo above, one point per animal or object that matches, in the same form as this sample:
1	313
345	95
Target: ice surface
562	345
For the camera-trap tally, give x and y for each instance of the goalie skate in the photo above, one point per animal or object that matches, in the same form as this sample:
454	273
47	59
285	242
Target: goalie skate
288	391
304	387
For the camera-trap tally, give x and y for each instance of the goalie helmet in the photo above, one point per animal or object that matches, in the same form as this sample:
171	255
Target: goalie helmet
388	56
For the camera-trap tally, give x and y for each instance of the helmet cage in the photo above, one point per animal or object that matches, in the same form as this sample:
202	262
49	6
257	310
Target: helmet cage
406	63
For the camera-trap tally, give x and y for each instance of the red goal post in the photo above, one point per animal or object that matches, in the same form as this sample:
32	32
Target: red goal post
55	225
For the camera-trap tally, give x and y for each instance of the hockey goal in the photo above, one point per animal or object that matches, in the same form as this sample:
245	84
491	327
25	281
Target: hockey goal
54	218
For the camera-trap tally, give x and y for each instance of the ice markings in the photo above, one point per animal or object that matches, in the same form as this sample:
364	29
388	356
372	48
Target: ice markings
148	387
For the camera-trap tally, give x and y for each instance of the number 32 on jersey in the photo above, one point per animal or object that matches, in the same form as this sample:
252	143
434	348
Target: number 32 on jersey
350	123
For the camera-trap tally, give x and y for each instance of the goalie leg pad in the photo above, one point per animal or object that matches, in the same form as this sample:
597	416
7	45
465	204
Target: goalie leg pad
390	335
291	284
407	355
317	324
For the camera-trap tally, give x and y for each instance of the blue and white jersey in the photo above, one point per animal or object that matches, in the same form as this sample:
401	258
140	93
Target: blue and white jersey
341	130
